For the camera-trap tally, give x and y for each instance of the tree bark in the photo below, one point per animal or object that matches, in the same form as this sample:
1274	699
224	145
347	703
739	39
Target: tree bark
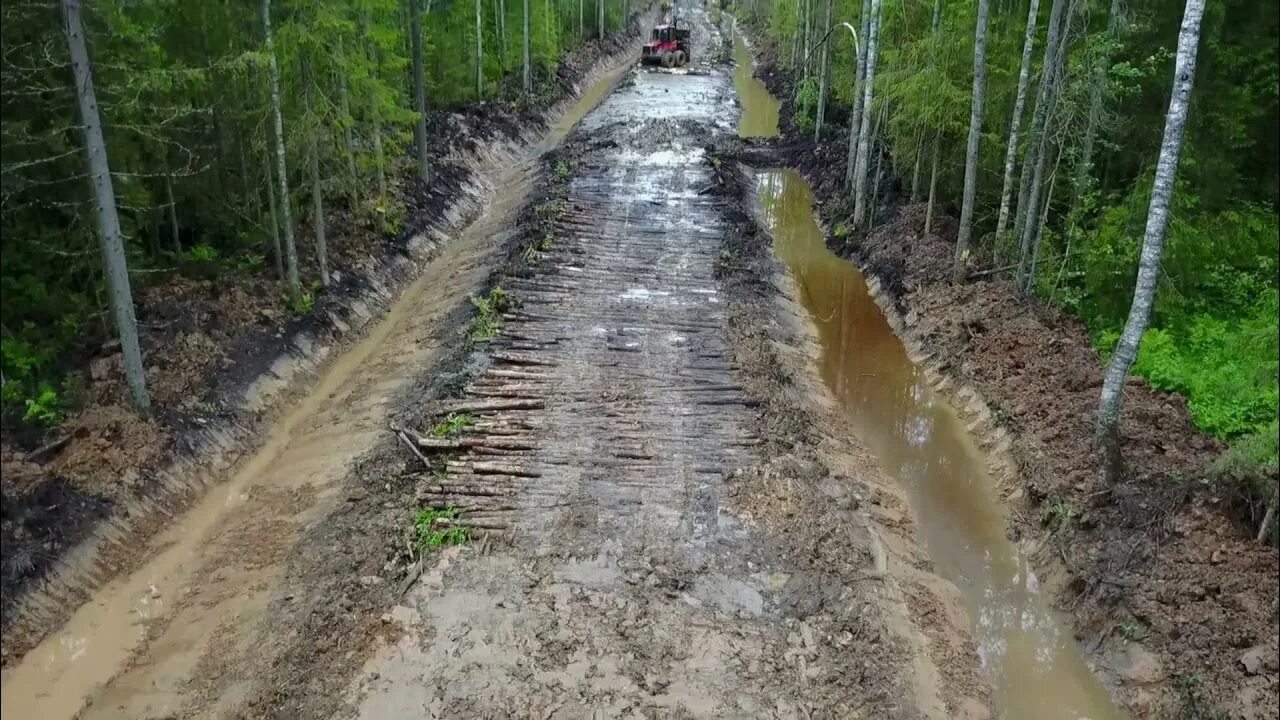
173	213
822	77
525	68
282	171
582	31
1042	222
869	83
1035	160
1144	292
915	169
933	182
1020	100
479	52
855	117
419	91
317	194
276	254
975	137
1269	517
600	20
109	235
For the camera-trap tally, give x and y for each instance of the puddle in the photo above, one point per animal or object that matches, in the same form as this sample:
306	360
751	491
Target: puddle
759	108
1035	665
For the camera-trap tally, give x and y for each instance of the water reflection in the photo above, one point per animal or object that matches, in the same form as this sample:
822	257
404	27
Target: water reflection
1034	663
759	108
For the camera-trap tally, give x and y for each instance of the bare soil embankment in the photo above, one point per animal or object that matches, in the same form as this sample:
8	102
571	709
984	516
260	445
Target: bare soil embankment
1172	600
224	358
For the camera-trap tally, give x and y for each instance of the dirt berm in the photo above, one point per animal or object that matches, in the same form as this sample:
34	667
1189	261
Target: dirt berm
1170	597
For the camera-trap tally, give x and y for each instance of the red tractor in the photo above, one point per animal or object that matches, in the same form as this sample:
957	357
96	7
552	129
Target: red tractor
668	46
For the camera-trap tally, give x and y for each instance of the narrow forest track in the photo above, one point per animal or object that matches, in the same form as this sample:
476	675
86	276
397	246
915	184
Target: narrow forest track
635	550
668	518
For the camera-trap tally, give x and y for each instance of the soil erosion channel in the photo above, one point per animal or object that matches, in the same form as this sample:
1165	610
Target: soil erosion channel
196	606
1031	657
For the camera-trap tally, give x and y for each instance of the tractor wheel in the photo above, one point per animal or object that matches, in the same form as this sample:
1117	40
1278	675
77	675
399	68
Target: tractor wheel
668	60
680	58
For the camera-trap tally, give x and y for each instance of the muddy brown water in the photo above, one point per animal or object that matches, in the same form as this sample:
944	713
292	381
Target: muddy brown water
132	650
759	116
1030	655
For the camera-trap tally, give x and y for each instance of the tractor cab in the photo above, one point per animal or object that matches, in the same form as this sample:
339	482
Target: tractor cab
668	46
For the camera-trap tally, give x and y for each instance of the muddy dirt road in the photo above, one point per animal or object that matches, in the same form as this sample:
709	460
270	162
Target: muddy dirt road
670	514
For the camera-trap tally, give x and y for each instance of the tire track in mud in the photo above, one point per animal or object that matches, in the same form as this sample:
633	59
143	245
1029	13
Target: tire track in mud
637	547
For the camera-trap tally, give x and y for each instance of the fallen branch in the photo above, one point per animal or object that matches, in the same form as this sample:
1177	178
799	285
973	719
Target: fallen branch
404	437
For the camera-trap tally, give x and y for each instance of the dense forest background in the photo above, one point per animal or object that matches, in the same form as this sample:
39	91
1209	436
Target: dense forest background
1213	335
185	97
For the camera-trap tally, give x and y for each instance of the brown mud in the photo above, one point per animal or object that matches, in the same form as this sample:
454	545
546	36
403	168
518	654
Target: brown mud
1171	599
169	621
665	517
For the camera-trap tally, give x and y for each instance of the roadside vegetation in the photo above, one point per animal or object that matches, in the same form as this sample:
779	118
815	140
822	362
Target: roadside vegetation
1047	126
233	142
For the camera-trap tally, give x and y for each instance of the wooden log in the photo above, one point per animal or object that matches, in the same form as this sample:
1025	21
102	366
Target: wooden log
482	406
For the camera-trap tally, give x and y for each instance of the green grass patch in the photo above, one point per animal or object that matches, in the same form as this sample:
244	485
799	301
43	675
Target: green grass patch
488	317
453	422
432	529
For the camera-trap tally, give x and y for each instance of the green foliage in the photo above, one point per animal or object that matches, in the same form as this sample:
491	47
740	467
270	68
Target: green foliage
452	423
432	529
806	103
1055	514
300	305
43	409
488	317
201	254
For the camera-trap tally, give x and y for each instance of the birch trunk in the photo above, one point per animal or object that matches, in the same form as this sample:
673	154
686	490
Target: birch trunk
282	171
525	69
1269	517
1041	222
317	194
479	52
582	32
1028	211
855	118
822	77
869	83
419	91
1020	100
1144	292
120	293
975	137
915	169
933	182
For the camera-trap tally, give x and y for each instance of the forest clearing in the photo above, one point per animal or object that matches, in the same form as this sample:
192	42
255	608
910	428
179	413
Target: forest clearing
750	358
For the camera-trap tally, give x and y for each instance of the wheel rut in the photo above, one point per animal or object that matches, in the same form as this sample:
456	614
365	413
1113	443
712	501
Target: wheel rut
614	568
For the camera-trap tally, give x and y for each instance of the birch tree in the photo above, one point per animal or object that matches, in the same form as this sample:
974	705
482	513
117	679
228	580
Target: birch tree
526	70
1144	292
120	292
864	132
822	75
855	118
1034	163
479	52
975	136
1019	102
282	170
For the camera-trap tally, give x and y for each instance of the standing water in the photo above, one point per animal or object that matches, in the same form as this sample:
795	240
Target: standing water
1035	666
759	108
